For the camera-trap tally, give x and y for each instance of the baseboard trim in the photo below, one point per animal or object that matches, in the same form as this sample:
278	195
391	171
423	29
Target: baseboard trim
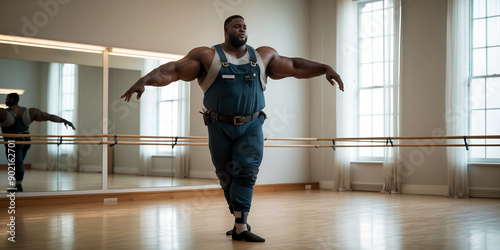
367	186
484	192
424	189
57	200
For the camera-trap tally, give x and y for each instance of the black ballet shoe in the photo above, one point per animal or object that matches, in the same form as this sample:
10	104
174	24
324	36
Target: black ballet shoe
247	236
230	232
19	188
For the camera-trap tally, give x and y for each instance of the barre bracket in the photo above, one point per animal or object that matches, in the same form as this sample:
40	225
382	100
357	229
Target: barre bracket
175	143
116	141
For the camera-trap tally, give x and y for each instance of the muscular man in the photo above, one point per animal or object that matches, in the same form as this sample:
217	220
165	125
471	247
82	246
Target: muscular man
16	120
233	77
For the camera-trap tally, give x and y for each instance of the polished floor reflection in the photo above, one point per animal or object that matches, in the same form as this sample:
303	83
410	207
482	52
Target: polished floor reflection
311	219
46	181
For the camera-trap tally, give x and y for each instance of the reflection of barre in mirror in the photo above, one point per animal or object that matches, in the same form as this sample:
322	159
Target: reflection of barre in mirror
202	141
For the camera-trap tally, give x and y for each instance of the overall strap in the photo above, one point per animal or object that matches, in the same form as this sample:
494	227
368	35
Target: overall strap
222	55
12	113
253	58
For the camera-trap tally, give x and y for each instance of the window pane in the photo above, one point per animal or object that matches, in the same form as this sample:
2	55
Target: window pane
365	126
493	122
367	7
493	8
366	75
174	111
493	128
479	33
366	25
476	94
477	122
477	152
365	152
378	5
493	152
479	62
479	8
378	101
493	61
493	93
378	23
378	152
162	109
493	31
378	49
477	127
365	102
378	126
378	74
366	50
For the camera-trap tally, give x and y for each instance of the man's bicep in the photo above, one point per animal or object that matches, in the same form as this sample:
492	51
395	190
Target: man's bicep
187	69
38	115
190	67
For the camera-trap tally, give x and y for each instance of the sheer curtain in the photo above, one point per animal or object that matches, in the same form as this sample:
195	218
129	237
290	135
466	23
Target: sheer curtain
457	77
148	119
347	54
63	81
392	163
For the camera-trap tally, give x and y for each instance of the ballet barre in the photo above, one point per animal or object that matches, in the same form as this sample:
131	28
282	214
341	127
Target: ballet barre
96	139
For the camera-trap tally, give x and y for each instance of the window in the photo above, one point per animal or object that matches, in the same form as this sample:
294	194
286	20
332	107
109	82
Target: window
168	113
484	80
375	71
63	82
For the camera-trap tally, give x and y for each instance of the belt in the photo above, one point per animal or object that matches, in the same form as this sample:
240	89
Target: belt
236	120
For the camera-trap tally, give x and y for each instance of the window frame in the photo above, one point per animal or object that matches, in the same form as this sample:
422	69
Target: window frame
470	93
374	156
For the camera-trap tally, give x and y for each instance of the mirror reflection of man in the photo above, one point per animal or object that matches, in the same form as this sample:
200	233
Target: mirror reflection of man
16	120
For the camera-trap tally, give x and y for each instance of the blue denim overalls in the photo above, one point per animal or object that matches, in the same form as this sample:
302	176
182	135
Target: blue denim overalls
236	148
20	150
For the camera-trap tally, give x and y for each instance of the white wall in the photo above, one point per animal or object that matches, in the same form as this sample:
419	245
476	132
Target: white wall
176	27
304	28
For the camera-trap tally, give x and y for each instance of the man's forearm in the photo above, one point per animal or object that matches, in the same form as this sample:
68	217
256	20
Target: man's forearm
308	69
160	76
55	118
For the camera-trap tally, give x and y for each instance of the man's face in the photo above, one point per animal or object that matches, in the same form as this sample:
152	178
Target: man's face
236	31
9	102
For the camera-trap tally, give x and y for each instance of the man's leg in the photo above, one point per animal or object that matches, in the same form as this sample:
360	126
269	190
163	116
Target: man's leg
220	150
18	158
247	156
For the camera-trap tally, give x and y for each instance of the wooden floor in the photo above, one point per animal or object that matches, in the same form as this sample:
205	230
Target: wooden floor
309	219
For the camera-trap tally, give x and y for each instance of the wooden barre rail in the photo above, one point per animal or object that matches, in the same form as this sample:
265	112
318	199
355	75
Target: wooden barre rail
269	139
196	140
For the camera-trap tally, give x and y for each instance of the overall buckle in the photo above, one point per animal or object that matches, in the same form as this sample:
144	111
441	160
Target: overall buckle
238	120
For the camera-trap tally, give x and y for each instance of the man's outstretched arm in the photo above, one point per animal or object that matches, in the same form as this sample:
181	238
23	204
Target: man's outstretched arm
41	116
279	67
187	69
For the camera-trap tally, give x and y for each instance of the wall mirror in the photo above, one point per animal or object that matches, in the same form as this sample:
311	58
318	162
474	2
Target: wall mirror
68	84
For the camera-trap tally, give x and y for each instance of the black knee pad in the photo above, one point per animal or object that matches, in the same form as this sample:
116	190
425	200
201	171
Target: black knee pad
224	179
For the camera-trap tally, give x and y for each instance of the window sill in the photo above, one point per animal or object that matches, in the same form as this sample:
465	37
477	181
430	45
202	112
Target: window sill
367	162
490	164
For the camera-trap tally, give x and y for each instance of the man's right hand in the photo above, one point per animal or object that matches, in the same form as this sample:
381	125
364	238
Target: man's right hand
136	88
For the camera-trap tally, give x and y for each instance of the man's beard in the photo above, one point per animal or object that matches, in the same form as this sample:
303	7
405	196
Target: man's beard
9	104
236	42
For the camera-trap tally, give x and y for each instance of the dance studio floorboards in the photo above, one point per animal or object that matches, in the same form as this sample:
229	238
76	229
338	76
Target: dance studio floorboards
309	219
